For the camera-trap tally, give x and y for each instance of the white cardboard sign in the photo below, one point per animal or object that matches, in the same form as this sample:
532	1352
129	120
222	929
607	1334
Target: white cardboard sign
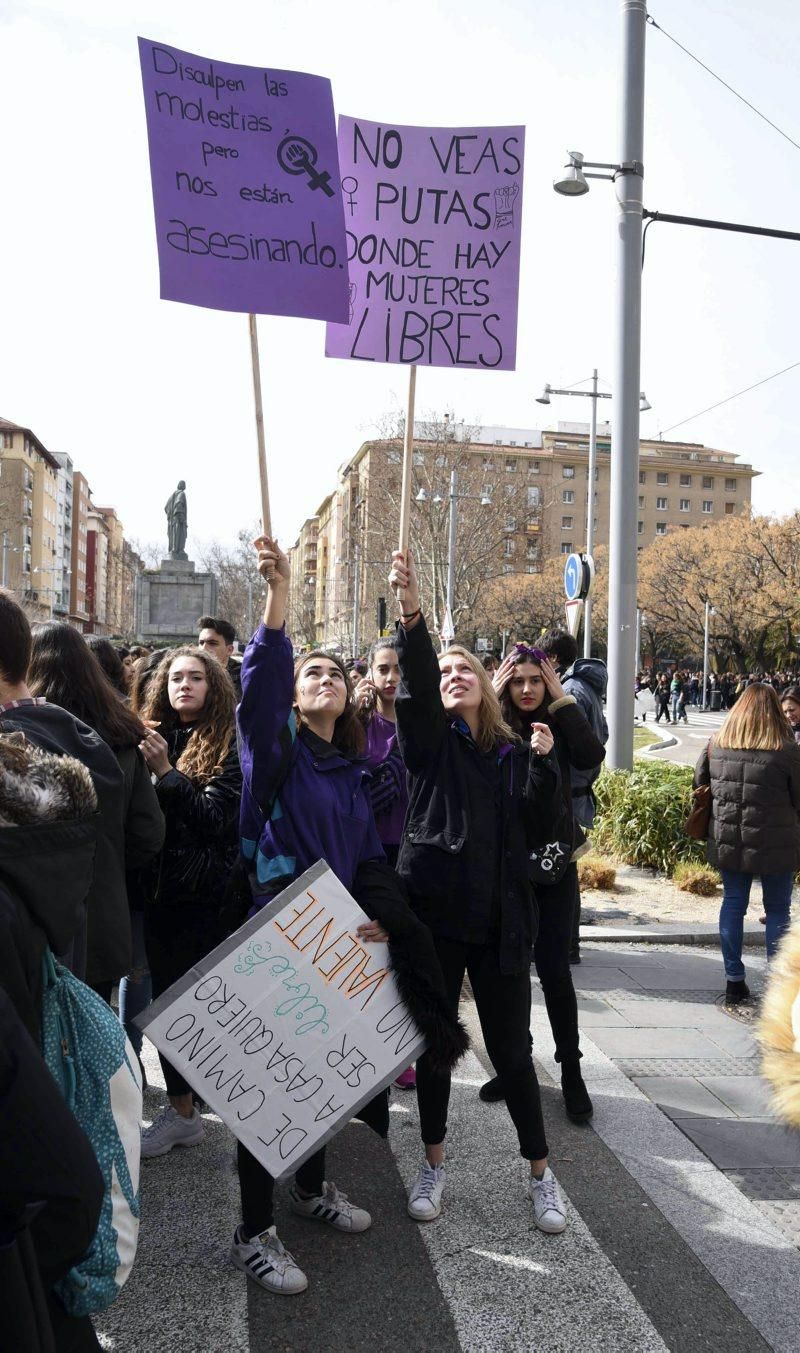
291	1025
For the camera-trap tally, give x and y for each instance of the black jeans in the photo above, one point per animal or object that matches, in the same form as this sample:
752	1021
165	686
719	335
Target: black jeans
257	1187
504	1004
174	939
558	905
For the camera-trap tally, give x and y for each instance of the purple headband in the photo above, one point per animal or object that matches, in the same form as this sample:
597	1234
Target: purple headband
524	654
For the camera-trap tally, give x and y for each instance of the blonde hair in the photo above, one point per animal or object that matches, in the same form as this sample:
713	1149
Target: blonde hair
756	723
492	727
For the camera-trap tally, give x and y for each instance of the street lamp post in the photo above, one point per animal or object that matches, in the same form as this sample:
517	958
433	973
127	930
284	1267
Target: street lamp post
706	627
451	545
356	599
6	548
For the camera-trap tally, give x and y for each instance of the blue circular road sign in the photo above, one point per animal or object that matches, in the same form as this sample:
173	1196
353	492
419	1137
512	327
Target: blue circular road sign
573	577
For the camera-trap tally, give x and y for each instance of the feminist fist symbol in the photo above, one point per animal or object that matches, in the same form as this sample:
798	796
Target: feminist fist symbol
504	199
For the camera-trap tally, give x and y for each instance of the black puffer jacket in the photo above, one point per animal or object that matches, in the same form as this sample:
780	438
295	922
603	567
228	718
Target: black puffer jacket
202	838
755	798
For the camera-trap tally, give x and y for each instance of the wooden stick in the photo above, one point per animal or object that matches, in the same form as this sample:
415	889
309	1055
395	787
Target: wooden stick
408	462
266	524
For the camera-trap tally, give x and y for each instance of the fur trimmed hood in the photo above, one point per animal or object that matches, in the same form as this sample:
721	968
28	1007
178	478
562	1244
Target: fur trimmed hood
37	786
779	1029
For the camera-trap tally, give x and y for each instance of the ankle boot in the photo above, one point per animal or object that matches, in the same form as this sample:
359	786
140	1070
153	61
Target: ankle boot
736	992
576	1097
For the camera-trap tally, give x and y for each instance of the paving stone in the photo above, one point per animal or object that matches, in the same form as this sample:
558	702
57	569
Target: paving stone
786	1216
653	1043
747	1096
594	1013
688	1066
682	1097
732	1038
657	1013
678	997
761	1184
792	1177
734	1143
603	979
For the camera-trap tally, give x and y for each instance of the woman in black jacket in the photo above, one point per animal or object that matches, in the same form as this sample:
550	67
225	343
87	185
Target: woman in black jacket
753	768
529	689
190	747
478	798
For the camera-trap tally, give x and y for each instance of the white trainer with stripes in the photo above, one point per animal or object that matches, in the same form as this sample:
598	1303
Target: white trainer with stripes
264	1259
332	1207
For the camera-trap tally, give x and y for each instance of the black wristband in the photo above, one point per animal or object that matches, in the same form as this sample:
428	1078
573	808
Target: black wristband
411	615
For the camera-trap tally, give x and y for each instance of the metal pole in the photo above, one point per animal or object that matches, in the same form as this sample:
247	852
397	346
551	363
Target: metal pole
638	640
705	656
451	544
357	600
5	559
625	428
587	611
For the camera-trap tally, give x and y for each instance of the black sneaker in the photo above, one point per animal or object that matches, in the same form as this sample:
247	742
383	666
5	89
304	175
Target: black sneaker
492	1091
576	1097
736	992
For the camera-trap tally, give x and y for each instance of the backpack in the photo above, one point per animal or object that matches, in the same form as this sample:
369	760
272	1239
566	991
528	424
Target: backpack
94	1065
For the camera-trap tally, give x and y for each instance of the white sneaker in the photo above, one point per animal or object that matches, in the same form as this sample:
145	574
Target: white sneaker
264	1259
549	1211
172	1129
332	1207
425	1198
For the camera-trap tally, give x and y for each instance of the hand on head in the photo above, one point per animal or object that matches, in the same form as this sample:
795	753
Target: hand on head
503	675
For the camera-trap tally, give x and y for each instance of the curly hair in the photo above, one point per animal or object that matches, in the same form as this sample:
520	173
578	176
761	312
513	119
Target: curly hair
492	727
348	731
208	746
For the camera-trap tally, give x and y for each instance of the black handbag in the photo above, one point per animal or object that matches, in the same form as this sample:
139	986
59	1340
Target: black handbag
547	863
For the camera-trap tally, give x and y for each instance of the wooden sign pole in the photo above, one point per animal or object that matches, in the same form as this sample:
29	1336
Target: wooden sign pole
408	462
266	524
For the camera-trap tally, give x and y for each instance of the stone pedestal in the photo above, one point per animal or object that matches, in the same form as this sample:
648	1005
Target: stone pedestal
171	599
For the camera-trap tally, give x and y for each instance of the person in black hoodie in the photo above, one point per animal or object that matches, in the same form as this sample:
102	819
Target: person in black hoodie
479	798
190	747
51	1189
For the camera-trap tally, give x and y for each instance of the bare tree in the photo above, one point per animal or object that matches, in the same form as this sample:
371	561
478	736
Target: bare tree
241	587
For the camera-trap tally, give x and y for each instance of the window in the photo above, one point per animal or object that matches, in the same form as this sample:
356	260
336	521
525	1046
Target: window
686	505
568	496
661	528
511	524
508	568
566	523
512	443
662	477
661	504
509	490
708	505
729	509
508	548
534	496
730	485
487	462
419	459
394	458
640	527
642	476
532	549
686	481
533	467
511	463
441	461
568	471
708	481
531	568
641	500
566	547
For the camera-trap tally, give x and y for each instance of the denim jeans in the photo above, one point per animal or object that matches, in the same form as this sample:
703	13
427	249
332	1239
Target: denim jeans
777	893
136	990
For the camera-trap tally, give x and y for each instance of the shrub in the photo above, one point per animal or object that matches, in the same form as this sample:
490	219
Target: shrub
699	879
640	816
594	872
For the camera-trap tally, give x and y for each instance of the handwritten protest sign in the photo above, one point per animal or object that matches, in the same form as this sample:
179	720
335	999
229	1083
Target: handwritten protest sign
433	221
291	1026
245	186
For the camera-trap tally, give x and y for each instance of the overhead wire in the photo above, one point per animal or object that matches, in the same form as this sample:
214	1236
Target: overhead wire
728	399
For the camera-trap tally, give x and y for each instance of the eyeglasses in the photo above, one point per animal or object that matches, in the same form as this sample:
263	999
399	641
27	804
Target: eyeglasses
524	654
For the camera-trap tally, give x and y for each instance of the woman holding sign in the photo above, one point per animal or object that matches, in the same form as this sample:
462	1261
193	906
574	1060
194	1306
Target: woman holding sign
306	798
479	796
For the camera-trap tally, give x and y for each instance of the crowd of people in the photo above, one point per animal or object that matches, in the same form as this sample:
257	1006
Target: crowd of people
175	792
677	690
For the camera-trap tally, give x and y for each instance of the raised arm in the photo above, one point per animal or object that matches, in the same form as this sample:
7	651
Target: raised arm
421	720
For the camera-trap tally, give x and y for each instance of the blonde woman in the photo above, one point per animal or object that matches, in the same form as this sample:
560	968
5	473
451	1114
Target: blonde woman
753	768
190	747
478	797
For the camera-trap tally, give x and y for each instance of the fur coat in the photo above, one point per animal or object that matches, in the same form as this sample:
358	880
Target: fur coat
779	1029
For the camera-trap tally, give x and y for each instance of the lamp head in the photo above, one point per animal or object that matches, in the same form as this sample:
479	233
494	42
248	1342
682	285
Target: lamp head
437	498
571	182
544	397
486	500
643	402
422	496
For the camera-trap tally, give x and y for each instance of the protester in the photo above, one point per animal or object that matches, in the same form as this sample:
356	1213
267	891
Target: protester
479	797
217	638
305	799
111	662
144	669
190	748
662	696
529	689
753	768
375	697
490	663
55	730
64	670
790	704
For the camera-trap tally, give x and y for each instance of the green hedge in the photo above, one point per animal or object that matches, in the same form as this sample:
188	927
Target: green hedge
640	816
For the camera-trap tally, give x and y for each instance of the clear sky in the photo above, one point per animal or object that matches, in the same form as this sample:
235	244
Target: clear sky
141	392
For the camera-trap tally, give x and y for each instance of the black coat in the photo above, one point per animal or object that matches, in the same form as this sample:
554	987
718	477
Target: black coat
576	745
755	801
442	851
202	830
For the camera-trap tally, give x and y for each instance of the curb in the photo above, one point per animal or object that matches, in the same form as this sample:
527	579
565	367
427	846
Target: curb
699	934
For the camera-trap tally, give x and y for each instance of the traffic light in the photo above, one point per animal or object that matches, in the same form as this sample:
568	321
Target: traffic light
381	615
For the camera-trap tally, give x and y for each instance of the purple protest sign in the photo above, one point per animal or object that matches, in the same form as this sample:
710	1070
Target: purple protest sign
245	186
433	219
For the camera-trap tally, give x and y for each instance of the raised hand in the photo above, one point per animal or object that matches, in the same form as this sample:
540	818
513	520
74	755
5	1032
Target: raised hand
404	583
273	564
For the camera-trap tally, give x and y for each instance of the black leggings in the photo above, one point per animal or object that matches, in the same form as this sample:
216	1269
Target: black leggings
557	906
504	1005
174	939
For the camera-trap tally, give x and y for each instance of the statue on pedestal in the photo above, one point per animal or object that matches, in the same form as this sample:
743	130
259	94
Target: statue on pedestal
175	509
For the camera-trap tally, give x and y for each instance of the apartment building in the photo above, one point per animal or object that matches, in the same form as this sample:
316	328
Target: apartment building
78	601
63	562
522	497
28	518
